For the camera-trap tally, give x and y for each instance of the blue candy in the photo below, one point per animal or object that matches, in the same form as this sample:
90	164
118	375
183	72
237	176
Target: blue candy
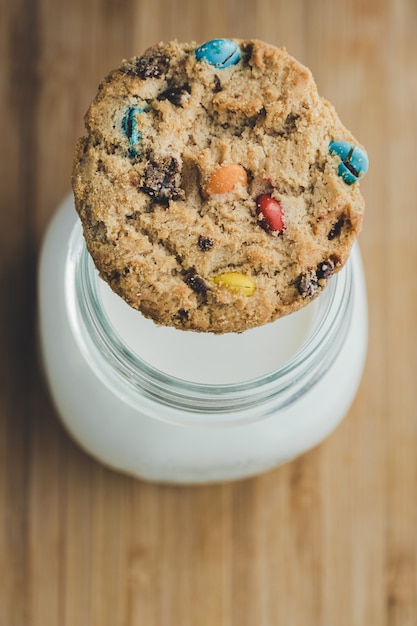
131	127
220	53
353	161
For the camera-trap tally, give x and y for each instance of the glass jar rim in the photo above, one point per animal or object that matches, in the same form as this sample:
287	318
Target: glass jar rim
129	375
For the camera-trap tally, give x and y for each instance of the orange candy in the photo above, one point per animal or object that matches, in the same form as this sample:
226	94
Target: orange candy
225	178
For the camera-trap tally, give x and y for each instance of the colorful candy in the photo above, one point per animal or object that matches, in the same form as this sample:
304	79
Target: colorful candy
271	212
225	178
131	127
237	282
220	53
353	161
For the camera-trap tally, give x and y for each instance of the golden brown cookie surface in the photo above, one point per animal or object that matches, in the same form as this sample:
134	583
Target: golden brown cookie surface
209	197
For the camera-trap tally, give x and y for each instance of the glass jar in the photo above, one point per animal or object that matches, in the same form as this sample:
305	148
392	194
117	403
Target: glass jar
187	411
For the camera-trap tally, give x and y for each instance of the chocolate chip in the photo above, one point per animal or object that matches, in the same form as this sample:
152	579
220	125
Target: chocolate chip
247	48
255	119
319	166
152	66
205	243
177	95
113	276
99	231
183	314
195	282
337	228
325	270
307	284
162	180
217	84
290	125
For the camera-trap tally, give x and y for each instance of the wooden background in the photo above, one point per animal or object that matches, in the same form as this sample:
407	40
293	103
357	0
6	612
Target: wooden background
330	539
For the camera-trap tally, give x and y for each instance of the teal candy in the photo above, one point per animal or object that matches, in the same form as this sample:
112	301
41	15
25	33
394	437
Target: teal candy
354	161
131	127
220	53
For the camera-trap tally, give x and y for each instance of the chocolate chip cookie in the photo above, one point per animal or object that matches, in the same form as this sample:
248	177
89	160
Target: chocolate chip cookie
217	190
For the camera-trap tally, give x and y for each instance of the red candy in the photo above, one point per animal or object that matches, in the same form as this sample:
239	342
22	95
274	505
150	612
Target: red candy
271	211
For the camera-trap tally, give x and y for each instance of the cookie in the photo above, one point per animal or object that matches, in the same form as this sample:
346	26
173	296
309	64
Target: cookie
217	190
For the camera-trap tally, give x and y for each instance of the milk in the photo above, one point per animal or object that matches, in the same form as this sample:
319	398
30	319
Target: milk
204	357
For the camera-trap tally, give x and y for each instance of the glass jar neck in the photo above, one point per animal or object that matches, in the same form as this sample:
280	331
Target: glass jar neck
185	401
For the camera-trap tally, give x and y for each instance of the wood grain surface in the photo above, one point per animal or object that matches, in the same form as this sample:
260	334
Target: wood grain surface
329	539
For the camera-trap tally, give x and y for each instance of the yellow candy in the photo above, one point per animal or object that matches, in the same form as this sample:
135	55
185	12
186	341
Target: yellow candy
225	178
235	281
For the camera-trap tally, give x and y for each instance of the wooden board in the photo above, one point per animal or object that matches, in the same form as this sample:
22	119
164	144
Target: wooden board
328	539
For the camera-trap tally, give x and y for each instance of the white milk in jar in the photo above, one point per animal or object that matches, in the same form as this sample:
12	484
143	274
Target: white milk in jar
185	407
204	357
